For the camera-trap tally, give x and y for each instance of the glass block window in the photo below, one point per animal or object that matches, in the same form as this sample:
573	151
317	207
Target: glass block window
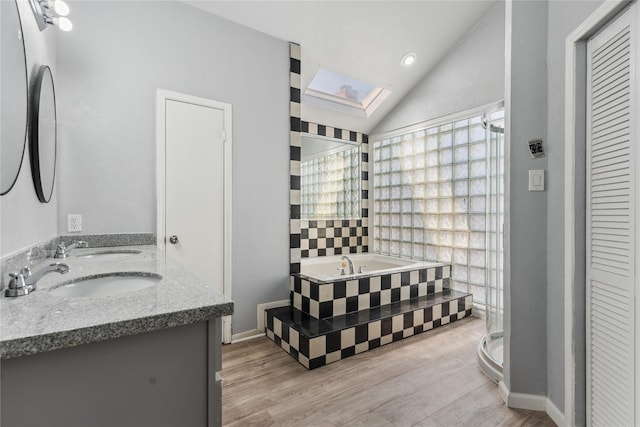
330	186
431	199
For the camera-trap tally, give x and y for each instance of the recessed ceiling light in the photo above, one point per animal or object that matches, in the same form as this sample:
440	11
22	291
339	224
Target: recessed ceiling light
408	59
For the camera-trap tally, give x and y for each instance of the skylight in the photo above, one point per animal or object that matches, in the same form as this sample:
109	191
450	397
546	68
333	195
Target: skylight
335	84
342	93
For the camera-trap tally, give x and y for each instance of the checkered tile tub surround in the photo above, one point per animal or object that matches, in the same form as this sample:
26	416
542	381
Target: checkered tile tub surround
333	237
323	300
316	342
296	127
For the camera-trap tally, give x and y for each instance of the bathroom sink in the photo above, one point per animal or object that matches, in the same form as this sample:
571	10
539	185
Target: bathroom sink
106	285
110	254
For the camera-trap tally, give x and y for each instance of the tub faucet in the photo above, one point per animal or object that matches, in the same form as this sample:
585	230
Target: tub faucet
352	269
63	250
25	282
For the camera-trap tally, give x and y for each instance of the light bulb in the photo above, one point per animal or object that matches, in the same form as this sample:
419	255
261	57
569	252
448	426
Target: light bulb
408	59
61	8
63	23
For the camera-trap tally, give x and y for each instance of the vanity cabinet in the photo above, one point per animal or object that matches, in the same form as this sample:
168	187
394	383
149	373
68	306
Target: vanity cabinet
162	378
143	357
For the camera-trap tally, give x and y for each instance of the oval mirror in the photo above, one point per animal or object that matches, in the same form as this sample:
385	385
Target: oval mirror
13	102
42	137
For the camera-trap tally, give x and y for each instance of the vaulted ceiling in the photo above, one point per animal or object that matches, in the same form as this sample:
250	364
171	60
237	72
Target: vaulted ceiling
360	39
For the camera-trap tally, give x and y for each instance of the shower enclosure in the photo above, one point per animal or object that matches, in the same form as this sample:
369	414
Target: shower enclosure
438	195
490	349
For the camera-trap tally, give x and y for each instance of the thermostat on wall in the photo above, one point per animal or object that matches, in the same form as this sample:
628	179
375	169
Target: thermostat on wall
535	147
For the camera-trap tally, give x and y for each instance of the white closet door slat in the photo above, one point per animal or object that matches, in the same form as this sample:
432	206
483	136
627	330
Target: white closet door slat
610	226
622	134
611	72
605	51
609	114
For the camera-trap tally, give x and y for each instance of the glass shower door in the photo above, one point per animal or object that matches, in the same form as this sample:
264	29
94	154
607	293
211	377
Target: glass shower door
491	348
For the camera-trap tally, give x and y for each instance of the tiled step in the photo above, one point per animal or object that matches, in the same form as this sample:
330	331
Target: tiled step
315	342
323	300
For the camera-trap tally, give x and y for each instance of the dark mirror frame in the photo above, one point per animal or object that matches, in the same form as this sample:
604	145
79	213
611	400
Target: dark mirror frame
26	111
34	135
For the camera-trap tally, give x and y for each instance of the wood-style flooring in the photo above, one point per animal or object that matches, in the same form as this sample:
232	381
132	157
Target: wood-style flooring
431	379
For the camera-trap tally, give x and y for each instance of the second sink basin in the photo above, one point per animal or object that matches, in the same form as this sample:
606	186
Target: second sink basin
105	285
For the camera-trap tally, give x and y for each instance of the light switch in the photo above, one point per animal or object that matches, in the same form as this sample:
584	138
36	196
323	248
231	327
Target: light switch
536	180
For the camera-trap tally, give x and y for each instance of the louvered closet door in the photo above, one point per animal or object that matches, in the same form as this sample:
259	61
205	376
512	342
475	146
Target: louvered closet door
611	194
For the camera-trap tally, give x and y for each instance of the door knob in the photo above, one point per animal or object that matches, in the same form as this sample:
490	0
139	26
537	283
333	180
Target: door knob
173	239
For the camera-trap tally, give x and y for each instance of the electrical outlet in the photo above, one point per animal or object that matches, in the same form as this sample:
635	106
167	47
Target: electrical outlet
74	223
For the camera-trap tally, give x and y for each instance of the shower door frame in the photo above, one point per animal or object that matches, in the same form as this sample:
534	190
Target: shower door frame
497	235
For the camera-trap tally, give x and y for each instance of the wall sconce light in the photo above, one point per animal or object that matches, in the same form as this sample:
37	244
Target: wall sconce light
52	12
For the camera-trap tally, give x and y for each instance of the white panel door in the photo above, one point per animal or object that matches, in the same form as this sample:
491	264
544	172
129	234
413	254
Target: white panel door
194	188
194	195
611	224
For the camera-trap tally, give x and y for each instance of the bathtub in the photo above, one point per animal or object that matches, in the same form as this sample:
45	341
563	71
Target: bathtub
326	269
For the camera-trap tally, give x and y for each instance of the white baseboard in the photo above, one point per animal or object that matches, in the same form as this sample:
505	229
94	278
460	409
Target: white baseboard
259	331
266	306
246	336
532	402
504	392
554	413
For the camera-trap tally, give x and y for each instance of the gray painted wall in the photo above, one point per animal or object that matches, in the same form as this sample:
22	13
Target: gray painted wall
525	229
469	76
564	17
110	66
24	220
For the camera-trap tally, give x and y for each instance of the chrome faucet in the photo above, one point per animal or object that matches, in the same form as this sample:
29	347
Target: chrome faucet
352	269
25	282
63	250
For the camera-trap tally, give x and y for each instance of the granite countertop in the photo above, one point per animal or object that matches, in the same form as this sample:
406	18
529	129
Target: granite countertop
42	321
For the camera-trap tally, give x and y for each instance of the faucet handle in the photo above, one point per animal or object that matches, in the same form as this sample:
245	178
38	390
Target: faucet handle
341	270
362	267
25	271
61	251
17	286
35	254
17	280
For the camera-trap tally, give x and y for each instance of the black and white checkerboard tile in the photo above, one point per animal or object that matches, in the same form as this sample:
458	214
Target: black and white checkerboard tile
333	237
323	300
295	145
297	126
316	342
